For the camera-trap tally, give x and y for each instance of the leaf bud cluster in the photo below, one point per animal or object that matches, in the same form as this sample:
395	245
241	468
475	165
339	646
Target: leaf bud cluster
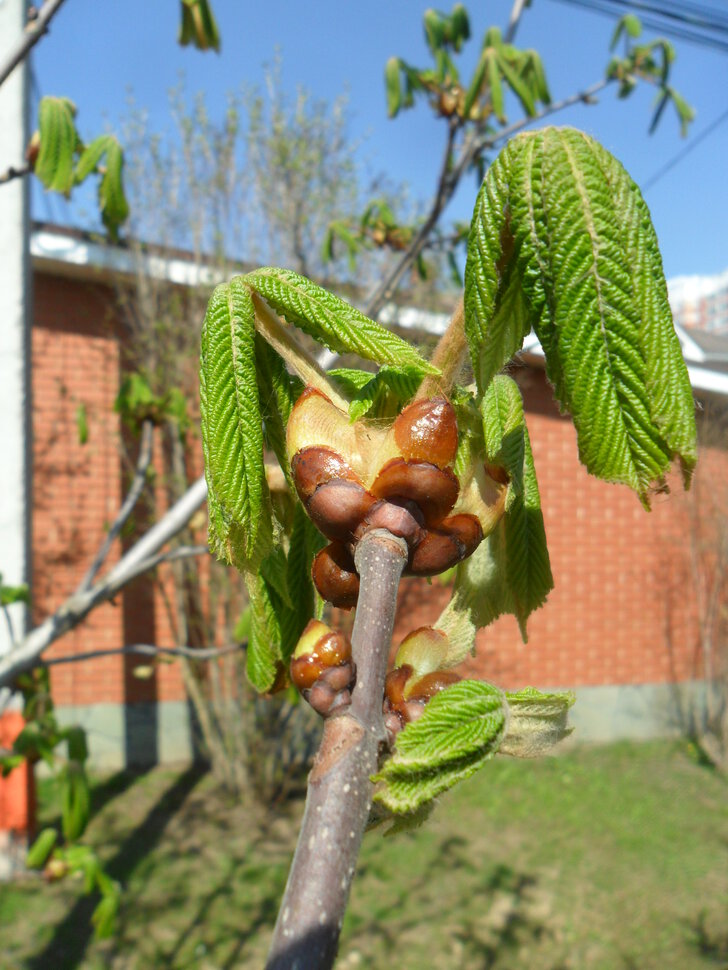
322	668
417	675
352	478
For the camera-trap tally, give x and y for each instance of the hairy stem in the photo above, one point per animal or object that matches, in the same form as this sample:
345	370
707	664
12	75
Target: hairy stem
449	355
339	797
280	338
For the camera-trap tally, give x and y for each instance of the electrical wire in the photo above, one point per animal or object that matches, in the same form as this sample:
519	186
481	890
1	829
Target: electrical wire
676	159
704	39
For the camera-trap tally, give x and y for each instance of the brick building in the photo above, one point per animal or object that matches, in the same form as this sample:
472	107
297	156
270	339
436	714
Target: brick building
620	625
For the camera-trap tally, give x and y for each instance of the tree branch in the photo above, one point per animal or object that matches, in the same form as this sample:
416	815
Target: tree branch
141	556
132	497
33	32
339	796
149	650
14	173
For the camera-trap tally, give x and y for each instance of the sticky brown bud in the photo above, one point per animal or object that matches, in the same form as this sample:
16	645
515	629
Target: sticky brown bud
445	547
434	490
426	687
318	649
315	466
394	687
338	507
428	431
466	529
436	552
335	577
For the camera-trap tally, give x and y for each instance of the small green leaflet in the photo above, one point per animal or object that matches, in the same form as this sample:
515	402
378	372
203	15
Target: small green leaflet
509	572
112	201
264	642
460	729
58	144
232	430
561	241
198	26
332	321
537	722
40	850
507	446
385	392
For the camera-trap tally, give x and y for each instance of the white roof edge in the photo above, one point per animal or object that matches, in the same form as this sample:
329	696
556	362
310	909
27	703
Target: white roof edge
60	247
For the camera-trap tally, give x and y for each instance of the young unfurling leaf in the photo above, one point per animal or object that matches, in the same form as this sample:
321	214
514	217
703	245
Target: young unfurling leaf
599	309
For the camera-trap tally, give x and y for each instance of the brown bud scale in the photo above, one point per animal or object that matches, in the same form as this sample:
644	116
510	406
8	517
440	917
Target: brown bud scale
428	431
315	466
338	507
434	490
335	577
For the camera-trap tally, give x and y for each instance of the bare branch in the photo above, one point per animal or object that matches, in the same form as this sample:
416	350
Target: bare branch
138	559
149	650
132	497
339	791
33	32
450	176
14	173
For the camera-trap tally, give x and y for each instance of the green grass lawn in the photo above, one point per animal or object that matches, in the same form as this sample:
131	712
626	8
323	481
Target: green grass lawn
612	857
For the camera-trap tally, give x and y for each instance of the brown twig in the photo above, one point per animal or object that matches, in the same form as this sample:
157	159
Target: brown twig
14	173
339	797
132	497
33	32
148	650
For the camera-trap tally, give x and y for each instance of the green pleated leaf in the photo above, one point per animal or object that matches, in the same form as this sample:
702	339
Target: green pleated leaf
264	641
460	729
113	205
332	321
536	722
305	542
507	446
567	215
278	391
232	431
350	380
58	143
497	314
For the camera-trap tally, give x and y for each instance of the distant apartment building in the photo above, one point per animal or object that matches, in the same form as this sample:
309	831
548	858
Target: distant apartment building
700	302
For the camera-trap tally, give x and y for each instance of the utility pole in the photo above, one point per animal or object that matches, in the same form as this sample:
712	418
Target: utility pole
15	413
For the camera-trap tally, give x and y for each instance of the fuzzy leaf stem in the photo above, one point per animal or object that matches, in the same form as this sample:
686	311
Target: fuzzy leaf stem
340	792
280	338
449	356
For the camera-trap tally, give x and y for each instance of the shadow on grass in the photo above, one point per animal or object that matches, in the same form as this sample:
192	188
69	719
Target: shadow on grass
68	944
491	914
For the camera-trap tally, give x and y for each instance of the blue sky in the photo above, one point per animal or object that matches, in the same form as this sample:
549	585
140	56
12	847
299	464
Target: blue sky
96	51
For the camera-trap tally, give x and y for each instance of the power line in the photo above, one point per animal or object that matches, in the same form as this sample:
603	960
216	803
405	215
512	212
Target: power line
676	159
704	39
684	16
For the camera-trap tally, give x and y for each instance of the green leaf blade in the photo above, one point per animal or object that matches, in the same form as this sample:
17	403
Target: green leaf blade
460	729
330	320
58	143
232	428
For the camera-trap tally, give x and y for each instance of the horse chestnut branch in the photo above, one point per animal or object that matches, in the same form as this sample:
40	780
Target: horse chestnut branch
352	478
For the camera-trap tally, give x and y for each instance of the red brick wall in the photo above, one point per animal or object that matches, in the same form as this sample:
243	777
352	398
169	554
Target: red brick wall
618	614
77	490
